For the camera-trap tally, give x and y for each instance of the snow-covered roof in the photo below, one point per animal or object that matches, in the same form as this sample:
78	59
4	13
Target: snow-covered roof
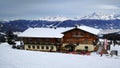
43	32
54	32
108	31
90	29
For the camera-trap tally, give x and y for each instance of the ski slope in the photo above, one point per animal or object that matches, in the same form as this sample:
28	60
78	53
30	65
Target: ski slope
13	58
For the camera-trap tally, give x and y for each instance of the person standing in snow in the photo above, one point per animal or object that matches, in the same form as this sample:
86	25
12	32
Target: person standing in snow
105	44
101	53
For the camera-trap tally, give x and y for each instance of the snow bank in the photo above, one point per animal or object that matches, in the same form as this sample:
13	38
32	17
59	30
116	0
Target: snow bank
13	58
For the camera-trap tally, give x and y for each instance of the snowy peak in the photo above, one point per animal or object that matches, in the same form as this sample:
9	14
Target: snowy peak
58	18
98	16
101	16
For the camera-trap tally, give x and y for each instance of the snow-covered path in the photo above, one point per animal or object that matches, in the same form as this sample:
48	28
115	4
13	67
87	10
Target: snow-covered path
13	58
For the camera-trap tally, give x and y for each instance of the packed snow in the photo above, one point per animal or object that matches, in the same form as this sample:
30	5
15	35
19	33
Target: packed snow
13	58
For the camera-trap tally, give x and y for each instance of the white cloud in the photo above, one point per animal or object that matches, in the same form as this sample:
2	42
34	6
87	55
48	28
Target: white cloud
108	7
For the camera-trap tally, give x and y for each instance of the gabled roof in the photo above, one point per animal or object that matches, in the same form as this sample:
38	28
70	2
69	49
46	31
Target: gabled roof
87	29
54	33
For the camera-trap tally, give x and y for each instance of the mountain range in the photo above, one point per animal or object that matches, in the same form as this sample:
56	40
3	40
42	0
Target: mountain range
96	20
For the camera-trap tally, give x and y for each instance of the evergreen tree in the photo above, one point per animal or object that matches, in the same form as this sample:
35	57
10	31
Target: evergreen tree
10	37
2	38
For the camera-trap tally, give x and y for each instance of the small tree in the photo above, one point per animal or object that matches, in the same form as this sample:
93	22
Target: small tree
10	37
2	38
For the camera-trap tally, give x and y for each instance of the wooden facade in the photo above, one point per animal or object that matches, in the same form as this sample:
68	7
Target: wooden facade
77	36
80	38
41	44
52	39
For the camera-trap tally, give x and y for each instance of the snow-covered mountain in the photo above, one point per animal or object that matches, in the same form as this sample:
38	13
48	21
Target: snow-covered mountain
96	20
98	16
57	18
101	16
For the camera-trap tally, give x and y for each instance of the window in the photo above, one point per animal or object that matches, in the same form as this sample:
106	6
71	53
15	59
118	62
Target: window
86	41
29	40
69	40
42	47
72	33
47	47
38	47
58	40
82	33
91	35
29	46
86	48
76	33
33	47
47	41
39	41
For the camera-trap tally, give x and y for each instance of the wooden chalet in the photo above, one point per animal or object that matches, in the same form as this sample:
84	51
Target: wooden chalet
49	39
81	37
42	39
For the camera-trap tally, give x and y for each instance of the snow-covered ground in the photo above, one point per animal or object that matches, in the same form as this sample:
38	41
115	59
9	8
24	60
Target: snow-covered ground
13	58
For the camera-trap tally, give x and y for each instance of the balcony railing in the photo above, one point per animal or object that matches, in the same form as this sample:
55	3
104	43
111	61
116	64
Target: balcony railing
77	36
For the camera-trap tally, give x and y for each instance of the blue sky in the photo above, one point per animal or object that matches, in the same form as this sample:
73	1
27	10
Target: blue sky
34	9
